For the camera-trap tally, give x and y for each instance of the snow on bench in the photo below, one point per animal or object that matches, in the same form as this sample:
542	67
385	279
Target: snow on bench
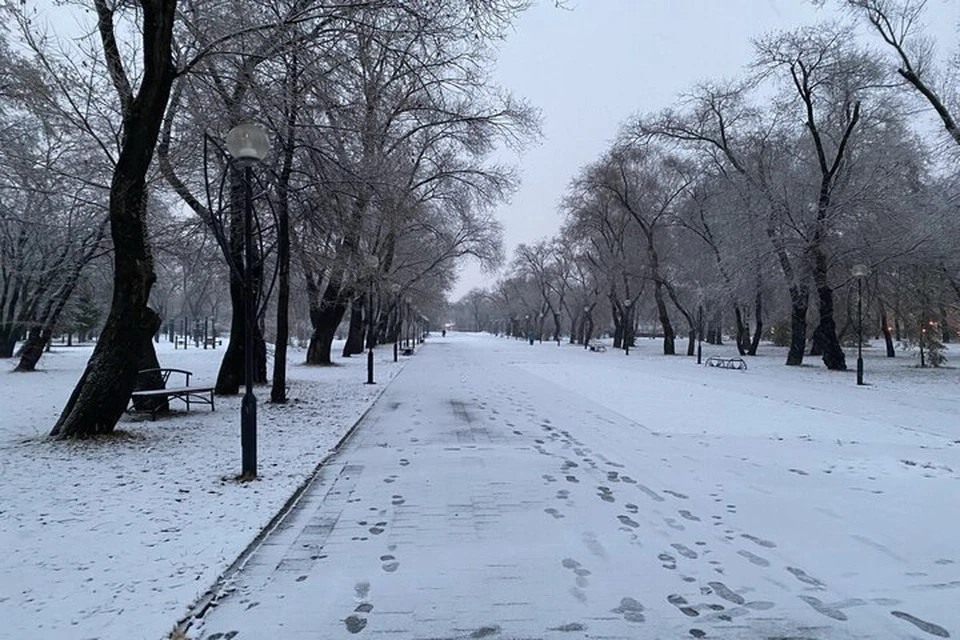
726	363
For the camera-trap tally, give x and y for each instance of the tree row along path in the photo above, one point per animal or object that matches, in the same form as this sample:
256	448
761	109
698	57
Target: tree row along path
485	495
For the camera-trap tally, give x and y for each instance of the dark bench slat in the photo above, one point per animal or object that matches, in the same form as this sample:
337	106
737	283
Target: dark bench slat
203	395
172	391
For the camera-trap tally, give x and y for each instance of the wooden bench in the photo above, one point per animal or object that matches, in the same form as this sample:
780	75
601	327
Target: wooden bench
186	393
726	363
596	346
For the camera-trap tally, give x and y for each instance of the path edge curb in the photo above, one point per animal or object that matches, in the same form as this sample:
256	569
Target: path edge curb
208	599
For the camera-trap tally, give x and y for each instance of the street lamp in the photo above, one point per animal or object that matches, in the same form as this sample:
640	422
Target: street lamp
248	144
860	271
626	327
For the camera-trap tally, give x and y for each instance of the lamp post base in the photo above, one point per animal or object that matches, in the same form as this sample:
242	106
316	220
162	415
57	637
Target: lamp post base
860	371
370	366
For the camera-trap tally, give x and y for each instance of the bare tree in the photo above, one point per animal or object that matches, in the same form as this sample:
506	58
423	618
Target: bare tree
896	22
101	395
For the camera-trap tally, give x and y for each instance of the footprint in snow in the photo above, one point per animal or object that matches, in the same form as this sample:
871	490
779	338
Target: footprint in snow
390	563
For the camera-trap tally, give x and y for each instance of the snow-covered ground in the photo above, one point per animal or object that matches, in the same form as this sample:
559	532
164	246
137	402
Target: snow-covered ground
115	538
791	485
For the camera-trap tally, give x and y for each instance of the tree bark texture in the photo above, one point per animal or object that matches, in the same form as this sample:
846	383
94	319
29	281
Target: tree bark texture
669	346
100	397
8	340
885	327
370	322
354	342
231	374
825	335
326	312
799	301
278	392
758	321
743	331
33	348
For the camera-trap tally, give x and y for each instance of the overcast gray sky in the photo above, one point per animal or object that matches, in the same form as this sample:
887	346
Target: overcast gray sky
592	67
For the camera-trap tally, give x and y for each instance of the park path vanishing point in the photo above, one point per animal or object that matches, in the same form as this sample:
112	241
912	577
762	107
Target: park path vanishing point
477	499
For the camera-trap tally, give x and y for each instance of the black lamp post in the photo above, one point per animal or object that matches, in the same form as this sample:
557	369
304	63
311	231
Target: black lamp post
626	327
248	144
860	271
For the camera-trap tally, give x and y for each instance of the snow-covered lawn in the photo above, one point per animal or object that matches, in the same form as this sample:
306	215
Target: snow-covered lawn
115	538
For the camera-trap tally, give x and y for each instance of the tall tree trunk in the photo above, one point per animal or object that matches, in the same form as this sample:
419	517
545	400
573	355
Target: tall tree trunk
278	392
628	337
231	374
33	348
669	336
370	322
326	312
743	331
232	369
100	397
758	321
689	317
799	301
885	327
354	343
825	335
8	340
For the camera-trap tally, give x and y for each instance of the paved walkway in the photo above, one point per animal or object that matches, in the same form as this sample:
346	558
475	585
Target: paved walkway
477	500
